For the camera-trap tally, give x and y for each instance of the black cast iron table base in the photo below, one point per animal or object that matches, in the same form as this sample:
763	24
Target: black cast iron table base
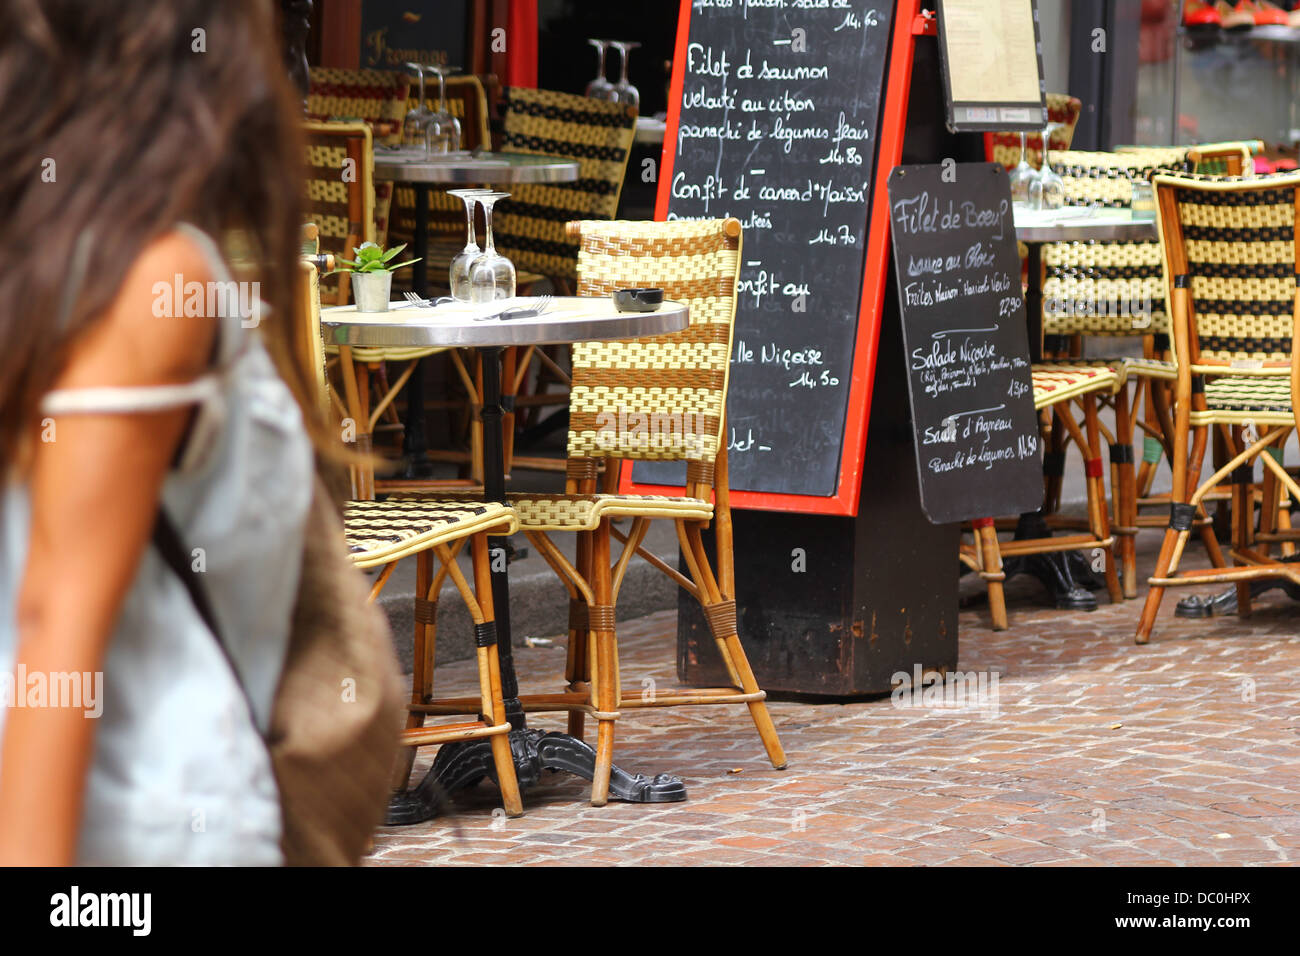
1067	575
462	765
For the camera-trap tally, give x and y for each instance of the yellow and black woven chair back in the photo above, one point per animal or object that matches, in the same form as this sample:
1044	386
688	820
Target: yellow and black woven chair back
529	226
1232	242
1105	288
664	397
340	189
376	96
467	101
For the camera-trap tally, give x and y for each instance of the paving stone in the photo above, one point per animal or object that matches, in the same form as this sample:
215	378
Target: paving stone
1209	737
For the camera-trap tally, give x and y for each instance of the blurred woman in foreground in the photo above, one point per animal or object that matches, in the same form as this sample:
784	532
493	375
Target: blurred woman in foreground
134	136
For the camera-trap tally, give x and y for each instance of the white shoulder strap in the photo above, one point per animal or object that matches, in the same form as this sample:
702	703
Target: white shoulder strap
117	400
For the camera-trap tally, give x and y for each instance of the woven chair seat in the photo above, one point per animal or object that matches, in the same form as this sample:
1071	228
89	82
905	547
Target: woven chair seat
1238	399
1123	366
393	354
559	512
382	531
1056	381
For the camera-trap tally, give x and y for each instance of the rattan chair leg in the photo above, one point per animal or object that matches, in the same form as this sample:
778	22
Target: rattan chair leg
605	664
1124	493
422	661
1200	439
986	545
577	672
732	651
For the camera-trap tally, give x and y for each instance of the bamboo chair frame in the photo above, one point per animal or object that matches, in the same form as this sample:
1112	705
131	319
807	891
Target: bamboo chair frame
1208	366
380	534
594	579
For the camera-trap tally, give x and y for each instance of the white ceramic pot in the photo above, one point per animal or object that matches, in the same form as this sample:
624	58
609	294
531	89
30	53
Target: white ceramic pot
371	290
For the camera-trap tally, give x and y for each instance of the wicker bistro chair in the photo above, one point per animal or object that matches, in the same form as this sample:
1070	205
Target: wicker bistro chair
681	377
380	534
1057	386
377	98
530	225
1232	255
340	193
1114	290
342	207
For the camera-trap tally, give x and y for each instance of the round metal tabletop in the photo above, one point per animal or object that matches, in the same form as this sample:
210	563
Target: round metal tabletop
1116	225
412	166
569	319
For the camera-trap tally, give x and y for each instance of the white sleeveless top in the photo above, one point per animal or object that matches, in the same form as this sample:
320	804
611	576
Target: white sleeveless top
180	773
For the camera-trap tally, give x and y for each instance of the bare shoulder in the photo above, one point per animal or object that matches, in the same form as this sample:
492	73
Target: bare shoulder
143	338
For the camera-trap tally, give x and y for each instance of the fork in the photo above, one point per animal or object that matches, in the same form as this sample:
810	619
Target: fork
540	307
414	300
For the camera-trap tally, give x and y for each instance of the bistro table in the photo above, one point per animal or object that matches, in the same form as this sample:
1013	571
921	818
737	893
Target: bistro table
1067	575
570	319
413	167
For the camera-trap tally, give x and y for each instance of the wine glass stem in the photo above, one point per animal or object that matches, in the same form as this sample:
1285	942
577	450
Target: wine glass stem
600	61
1047	166
488	247
622	76
1023	157
469	221
421	105
442	93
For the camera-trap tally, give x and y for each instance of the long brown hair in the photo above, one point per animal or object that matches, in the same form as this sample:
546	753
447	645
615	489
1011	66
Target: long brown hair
118	121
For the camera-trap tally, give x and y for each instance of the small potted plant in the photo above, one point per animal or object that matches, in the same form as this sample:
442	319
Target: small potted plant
372	275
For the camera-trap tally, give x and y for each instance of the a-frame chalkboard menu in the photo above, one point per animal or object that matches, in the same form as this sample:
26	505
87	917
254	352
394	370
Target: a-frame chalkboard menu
775	118
965	341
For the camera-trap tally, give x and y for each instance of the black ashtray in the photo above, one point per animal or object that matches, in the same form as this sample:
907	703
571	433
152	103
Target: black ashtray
638	300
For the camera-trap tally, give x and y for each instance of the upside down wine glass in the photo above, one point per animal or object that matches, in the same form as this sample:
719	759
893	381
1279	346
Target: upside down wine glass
491	276
442	134
417	120
1021	177
625	92
600	88
458	274
1048	190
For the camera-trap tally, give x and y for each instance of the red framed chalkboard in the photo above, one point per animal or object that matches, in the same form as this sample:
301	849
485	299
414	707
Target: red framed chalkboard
841	498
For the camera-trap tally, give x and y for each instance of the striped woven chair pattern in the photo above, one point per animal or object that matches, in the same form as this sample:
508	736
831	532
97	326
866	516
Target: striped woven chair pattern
379	532
1232	254
340	192
529	225
1056	382
376	97
1004	148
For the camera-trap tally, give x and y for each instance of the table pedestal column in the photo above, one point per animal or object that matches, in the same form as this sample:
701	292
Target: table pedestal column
415	442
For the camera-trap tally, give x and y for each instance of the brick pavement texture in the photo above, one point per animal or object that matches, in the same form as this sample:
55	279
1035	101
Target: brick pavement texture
1095	752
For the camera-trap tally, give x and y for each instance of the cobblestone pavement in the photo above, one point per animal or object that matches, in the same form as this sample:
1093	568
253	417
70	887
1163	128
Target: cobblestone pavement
1186	751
